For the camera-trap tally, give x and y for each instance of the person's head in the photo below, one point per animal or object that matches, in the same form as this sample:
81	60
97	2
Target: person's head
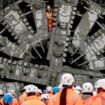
49	89
48	8
78	90
39	92
23	89
12	92
56	90
1	93
100	85
45	98
87	88
7	98
67	79
31	90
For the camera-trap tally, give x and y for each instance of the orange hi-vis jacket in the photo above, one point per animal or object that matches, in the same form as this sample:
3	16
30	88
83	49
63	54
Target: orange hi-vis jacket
31	100
15	101
71	98
49	14
50	98
50	20
50	95
38	97
99	99
88	101
22	98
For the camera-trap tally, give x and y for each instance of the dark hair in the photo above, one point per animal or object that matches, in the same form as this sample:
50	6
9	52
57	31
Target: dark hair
101	90
63	95
31	94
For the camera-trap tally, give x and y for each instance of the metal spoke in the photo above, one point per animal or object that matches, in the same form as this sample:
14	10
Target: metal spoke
83	63
3	30
77	59
75	51
100	25
37	52
41	46
30	55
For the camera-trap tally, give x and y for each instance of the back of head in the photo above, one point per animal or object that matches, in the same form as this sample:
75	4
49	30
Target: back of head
49	89
78	88
31	89
87	88
48	7
11	91
7	98
1	93
56	90
44	96
39	91
67	79
100	84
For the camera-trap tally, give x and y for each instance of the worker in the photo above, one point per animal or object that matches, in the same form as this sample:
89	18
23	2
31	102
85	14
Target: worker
49	91
23	96
67	96
31	99
45	98
1	94
99	99
15	100
78	90
7	99
39	92
12	92
56	90
49	17
87	93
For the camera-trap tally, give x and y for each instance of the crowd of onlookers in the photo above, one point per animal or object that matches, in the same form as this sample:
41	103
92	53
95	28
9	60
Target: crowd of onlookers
63	94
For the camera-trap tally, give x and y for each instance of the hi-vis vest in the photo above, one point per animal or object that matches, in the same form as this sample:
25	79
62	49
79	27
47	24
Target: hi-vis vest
49	14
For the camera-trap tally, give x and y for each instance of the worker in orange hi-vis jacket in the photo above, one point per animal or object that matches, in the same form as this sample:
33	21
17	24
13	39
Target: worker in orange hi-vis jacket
45	98
78	90
99	99
49	91
49	17
7	99
23	96
15	100
31	99
87	93
38	94
1	94
67	96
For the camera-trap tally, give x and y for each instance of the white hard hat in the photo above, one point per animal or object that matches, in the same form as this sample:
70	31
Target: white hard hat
87	87
48	7
100	84
25	87
77	92
1	92
31	88
67	79
39	91
49	89
44	96
78	88
11	91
